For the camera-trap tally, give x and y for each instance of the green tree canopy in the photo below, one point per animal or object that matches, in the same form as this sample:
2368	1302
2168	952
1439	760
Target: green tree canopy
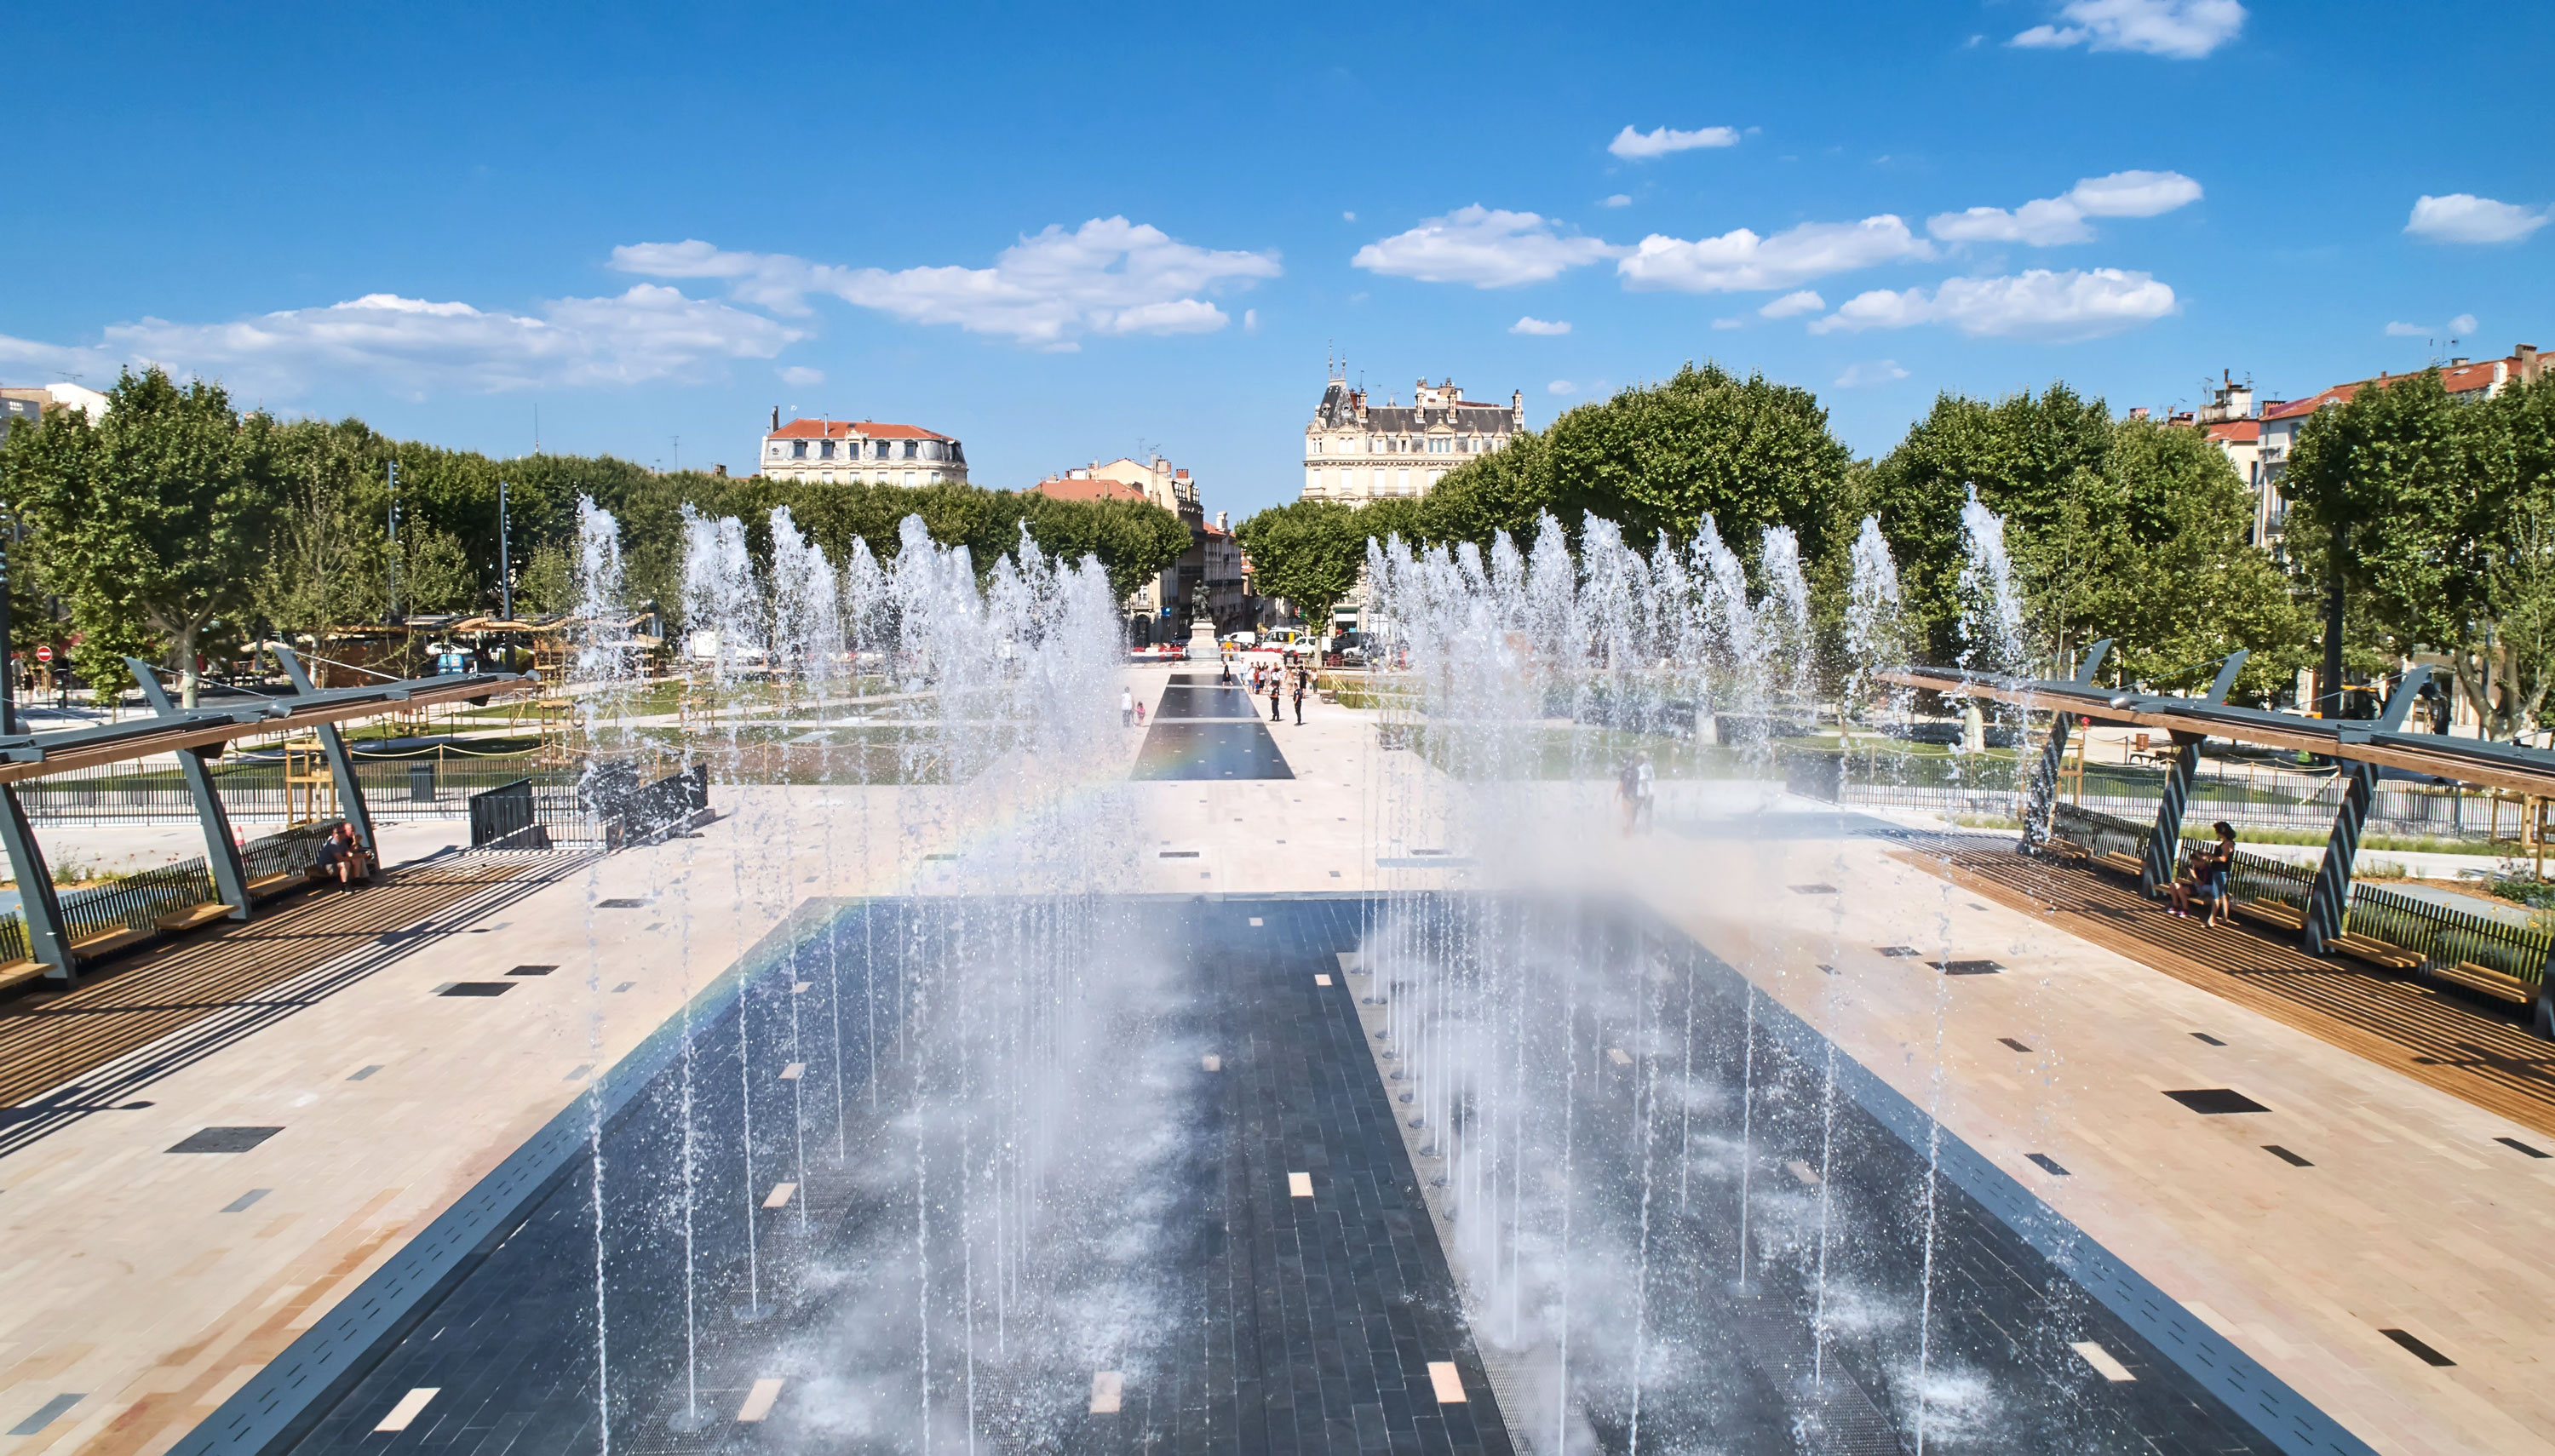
154	520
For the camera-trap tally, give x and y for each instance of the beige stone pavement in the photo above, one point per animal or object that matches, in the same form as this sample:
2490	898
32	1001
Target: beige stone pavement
128	1283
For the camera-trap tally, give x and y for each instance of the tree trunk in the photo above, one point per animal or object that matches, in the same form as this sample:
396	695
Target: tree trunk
186	665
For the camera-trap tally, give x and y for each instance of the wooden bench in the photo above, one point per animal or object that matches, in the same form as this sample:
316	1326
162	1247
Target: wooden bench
192	916
2486	979
2127	864
275	885
2273	913
20	972
2375	951
108	942
2065	849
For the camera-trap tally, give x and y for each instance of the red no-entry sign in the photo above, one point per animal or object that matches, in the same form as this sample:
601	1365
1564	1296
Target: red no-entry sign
44	655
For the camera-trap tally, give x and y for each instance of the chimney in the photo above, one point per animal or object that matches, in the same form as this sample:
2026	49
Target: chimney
718	472
776	419
2526	354
2137	412
1220	522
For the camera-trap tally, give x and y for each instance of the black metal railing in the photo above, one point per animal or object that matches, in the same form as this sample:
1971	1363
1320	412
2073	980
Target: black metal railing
2444	937
629	810
136	900
2257	877
290	851
499	814
394	790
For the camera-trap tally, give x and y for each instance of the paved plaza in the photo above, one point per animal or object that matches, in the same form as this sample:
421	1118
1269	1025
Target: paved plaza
2379	1243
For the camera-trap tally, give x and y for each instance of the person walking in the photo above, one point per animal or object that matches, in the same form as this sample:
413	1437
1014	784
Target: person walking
1277	686
1299	698
1645	789
1126	707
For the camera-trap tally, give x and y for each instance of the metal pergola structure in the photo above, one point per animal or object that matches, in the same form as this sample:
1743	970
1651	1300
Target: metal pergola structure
2362	747
195	736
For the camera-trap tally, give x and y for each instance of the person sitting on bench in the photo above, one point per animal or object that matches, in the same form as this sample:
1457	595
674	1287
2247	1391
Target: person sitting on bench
343	858
2211	868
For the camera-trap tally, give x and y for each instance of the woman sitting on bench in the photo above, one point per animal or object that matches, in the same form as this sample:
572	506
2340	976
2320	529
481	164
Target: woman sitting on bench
2211	868
343	858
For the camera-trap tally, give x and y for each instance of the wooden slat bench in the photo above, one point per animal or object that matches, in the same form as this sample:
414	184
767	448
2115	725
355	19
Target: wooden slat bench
2497	984
275	885
192	916
2127	864
2377	952
2065	849
108	942
20	972
2273	913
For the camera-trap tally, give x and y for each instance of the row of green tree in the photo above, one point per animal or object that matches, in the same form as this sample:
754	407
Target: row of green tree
2129	528
175	526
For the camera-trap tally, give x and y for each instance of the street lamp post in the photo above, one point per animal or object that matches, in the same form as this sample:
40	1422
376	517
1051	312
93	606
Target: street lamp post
505	573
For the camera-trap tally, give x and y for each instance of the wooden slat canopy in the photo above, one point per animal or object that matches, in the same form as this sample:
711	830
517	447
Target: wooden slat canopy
24	755
2467	760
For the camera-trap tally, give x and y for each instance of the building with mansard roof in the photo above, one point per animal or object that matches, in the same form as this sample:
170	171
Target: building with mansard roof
861	452
1356	451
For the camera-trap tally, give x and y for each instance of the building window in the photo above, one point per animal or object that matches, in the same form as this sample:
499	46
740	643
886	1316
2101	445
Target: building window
1401	482
798	449
909	477
776	450
825	450
913	448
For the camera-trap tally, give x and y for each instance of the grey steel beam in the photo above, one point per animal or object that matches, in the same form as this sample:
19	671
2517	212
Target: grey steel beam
350	790
2164	842
2330	901
38	905
221	851
2040	800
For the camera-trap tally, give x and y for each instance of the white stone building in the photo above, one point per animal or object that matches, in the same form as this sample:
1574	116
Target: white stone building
861	452
1356	452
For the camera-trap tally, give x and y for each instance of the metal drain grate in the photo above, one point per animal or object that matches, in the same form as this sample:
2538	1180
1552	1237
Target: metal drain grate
621	905
1966	967
2214	1101
225	1140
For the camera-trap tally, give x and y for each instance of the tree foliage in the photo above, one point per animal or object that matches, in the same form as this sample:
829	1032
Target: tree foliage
2131	530
154	522
2441	518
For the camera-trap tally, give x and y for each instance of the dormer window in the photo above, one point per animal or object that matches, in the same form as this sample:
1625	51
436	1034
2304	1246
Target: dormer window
825	452
798	449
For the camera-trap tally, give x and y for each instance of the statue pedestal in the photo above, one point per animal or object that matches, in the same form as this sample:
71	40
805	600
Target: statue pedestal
1204	650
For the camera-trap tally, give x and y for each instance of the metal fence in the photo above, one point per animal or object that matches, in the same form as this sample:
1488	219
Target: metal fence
138	902
394	789
2256	877
1997	793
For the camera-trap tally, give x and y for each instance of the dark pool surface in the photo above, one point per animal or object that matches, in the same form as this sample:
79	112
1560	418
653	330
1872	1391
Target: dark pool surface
1274	1322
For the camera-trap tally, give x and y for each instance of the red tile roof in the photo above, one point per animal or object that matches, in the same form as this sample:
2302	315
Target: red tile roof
2238	432
839	428
2458	379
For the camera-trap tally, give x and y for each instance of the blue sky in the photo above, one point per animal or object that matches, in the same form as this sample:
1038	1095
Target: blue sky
1068	234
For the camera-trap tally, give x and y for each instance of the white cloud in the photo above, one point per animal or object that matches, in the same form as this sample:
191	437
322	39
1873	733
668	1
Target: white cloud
2463	217
1561	387
1729	323
1634	146
1878	371
1533	326
1741	262
2134	193
2184	30
1348	217
1488	248
2049	221
2461	326
2036	303
1620	199
1250	320
415	347
1106	277
802	375
1785	306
